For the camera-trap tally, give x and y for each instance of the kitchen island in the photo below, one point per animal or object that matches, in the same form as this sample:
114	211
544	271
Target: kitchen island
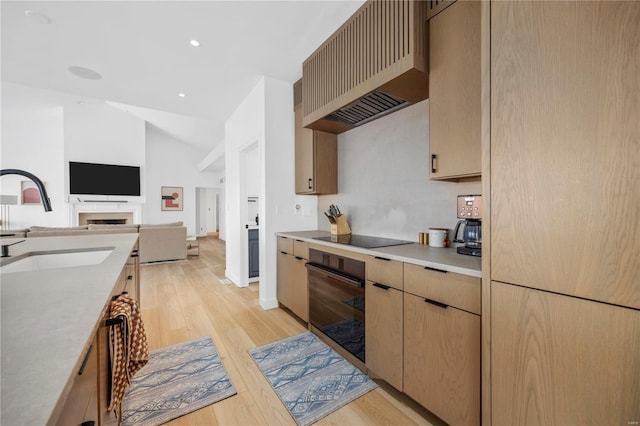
49	320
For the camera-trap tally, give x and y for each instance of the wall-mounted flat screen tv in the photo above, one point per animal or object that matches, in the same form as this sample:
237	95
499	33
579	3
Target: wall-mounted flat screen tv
103	179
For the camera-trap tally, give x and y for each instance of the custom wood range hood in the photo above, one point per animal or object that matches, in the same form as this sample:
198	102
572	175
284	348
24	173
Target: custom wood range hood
373	65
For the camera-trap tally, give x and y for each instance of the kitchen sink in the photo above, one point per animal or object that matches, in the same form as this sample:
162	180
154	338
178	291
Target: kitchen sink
54	259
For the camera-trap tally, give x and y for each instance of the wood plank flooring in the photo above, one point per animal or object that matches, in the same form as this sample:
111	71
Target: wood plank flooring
186	300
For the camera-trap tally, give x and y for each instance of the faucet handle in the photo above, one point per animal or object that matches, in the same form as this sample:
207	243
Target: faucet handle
5	248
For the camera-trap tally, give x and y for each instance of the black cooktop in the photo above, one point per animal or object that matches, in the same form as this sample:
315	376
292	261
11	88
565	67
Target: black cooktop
363	241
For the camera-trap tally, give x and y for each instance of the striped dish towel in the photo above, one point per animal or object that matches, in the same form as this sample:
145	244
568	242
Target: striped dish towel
128	347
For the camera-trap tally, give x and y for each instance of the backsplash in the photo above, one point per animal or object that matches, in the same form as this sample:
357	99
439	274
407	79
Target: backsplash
383	179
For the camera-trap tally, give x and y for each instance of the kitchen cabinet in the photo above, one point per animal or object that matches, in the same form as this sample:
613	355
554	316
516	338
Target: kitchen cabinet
442	359
254	253
564	147
454	92
563	360
316	155
82	405
89	394
384	319
383	332
442	343
385	271
292	285
564	202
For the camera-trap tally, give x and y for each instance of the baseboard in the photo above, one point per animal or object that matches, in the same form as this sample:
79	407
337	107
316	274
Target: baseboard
268	304
233	278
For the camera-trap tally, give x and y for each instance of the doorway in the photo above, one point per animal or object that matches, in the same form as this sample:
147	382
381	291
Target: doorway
250	207
207	211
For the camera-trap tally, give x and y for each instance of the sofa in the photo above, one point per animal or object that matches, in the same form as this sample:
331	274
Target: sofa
156	242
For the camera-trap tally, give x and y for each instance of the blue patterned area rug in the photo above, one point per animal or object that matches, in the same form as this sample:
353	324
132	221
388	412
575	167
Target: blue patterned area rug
311	379
177	380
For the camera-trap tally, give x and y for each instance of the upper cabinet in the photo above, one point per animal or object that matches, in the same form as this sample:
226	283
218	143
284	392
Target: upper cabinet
316	154
374	64
454	91
565	157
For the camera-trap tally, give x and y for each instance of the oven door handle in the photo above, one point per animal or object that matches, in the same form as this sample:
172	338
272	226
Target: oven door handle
353	282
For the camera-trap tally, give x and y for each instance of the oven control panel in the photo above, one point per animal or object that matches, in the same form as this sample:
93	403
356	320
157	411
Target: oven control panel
470	207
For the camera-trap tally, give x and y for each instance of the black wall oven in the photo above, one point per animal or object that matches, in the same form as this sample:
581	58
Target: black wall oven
336	299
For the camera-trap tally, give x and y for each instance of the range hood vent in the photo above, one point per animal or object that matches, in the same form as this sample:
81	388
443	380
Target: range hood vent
368	108
374	64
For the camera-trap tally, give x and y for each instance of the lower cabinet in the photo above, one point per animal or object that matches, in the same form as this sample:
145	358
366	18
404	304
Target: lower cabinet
254	253
293	289
442	359
561	360
383	333
89	392
82	402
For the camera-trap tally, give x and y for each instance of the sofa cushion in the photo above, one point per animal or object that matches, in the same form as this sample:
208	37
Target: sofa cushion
160	225
54	228
100	226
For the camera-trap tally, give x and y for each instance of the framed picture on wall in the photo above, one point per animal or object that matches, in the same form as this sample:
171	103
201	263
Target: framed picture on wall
172	198
29	193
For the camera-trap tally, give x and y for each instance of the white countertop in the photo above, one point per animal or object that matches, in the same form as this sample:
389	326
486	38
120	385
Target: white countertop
48	319
446	259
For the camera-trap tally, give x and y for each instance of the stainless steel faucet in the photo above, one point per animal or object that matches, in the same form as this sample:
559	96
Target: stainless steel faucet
46	203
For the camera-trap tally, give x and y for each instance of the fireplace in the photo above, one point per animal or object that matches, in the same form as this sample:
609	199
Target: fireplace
105	218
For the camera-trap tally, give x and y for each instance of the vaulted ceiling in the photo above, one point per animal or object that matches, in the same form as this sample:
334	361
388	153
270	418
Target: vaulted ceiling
142	52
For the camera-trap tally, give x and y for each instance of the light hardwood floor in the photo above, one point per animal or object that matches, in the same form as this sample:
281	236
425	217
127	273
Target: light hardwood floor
185	300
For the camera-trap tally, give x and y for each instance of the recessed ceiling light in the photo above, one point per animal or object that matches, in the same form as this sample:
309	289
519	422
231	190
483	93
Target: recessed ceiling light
182	95
85	73
194	43
37	17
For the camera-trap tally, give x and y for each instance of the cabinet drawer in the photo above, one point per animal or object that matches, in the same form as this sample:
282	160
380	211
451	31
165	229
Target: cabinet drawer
301	249
285	244
460	291
384	271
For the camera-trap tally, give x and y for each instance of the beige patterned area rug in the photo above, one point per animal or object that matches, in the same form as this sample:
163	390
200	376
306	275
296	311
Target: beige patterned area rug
177	380
311	379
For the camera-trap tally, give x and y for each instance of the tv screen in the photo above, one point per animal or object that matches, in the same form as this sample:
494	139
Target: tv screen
103	179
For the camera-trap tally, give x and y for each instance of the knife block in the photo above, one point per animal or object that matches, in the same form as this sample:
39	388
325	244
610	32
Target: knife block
341	227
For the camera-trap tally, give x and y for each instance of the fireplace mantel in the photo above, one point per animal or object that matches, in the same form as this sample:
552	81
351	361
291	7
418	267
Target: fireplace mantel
109	207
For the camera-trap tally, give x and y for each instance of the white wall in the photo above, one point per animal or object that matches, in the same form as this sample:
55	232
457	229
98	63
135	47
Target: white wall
33	140
42	130
383	179
172	163
265	116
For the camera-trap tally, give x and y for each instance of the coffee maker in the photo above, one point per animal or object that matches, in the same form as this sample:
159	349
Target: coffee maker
470	215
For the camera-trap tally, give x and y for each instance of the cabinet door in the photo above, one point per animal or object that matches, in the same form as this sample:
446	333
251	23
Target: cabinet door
383	333
565	162
284	288
454	91
442	360
293	289
300	288
560	360
305	179
82	402
254	253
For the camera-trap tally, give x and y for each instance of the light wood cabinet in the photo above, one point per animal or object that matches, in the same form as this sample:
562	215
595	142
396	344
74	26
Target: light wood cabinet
89	394
384	332
561	360
292	286
442	359
82	401
385	271
565	162
461	291
454	91
316	156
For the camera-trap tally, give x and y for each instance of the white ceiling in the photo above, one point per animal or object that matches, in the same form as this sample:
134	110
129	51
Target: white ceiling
142	51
